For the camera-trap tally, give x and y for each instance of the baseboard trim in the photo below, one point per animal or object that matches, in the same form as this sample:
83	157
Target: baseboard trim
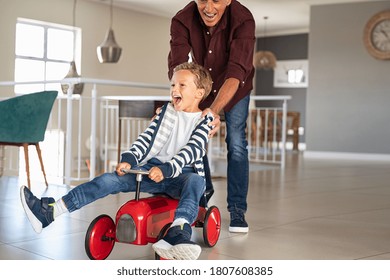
346	156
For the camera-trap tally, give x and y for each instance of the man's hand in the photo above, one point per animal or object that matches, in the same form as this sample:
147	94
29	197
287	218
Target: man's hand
120	166
216	123
155	174
225	94
158	111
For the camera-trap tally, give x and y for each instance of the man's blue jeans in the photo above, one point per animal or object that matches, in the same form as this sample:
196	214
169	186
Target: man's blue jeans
187	187
237	157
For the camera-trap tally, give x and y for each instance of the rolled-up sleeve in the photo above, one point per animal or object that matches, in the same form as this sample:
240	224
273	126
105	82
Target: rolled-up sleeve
180	46
240	63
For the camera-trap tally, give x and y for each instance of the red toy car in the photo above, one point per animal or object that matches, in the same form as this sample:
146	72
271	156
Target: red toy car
143	221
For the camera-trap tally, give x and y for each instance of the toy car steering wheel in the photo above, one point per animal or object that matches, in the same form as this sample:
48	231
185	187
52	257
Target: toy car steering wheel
138	178
135	171
138	172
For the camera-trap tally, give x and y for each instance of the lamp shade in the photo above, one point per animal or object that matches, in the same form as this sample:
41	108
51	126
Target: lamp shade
109	51
77	88
265	60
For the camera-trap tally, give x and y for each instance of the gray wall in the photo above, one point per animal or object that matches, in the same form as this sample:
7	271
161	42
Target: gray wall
289	47
348	97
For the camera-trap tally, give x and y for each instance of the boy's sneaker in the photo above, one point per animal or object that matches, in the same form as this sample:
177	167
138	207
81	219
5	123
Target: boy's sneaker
238	223
177	244
39	211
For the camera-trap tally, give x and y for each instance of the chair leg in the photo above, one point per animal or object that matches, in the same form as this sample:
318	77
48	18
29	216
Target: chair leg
41	161
25	147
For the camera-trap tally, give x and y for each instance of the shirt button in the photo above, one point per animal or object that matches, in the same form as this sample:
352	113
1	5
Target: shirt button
210	69
210	51
215	90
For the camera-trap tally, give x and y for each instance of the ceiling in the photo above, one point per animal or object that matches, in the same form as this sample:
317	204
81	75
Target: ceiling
284	16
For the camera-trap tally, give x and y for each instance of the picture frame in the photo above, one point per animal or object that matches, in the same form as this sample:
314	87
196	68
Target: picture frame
291	74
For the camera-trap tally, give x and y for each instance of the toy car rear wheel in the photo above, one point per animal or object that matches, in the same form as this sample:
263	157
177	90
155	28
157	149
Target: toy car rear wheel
100	238
162	233
212	226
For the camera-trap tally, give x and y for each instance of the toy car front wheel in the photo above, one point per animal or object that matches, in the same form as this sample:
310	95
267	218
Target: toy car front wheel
212	226
100	238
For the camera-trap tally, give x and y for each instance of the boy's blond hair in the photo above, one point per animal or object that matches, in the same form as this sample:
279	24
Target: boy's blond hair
202	76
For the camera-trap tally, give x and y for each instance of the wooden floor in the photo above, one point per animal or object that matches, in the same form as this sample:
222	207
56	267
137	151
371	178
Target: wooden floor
313	210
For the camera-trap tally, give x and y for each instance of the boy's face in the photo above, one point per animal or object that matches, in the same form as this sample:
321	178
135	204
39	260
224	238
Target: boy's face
211	11
184	93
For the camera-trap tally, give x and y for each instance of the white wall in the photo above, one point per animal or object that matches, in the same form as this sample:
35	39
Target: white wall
144	39
349	91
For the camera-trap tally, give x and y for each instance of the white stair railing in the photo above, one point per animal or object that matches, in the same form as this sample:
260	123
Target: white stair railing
74	122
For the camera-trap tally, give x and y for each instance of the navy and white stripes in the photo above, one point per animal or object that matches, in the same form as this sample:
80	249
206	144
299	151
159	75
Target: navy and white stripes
150	142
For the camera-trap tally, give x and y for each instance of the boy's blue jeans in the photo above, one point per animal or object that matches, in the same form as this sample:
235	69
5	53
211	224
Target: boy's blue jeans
187	187
237	157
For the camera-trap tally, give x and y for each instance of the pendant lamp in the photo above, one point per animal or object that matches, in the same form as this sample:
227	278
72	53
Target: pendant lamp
109	51
265	59
77	88
72	73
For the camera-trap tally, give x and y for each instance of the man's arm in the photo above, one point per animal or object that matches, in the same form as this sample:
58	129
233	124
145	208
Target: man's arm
179	46
225	94
240	66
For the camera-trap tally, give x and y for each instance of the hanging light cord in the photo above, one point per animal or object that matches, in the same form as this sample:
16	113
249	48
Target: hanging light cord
265	32
74	13
74	28
111	14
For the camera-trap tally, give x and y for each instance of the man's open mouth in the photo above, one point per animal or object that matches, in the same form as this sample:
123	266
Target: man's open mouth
209	16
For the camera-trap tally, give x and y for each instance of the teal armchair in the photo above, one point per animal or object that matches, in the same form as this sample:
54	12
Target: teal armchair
23	122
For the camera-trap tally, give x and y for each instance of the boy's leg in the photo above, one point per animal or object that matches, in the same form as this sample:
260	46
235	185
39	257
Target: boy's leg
99	187
40	212
177	244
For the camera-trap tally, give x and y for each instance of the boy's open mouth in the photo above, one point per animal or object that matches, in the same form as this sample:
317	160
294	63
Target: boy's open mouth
176	99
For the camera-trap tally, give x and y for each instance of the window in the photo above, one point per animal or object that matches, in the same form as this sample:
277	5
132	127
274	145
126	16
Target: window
43	52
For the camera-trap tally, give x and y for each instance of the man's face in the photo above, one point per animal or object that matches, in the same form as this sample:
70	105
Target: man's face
212	11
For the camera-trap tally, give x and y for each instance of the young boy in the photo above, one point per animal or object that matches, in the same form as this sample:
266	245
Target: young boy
171	148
